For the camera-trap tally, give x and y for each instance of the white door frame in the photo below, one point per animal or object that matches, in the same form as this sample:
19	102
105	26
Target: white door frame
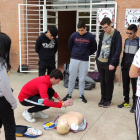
45	21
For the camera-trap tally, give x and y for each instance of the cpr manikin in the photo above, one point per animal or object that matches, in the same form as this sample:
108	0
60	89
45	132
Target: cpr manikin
71	121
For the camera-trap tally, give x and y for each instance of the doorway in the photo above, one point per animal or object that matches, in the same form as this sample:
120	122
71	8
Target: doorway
66	26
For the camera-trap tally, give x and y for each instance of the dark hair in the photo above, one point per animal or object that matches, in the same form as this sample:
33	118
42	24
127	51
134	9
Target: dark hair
139	20
57	74
5	44
105	20
53	30
133	27
81	24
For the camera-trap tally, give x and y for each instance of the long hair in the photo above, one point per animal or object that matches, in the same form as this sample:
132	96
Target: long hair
5	44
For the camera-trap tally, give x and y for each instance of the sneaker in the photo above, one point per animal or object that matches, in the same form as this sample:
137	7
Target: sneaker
100	104
67	97
83	99
28	117
40	114
124	104
107	104
132	110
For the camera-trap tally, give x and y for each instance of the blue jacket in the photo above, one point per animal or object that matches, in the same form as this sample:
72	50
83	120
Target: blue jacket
115	48
82	46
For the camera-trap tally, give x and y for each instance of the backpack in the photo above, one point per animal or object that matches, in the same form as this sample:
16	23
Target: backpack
94	75
89	83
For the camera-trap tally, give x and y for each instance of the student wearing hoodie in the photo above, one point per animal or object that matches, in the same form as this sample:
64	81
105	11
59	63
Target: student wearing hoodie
46	46
130	48
107	59
82	44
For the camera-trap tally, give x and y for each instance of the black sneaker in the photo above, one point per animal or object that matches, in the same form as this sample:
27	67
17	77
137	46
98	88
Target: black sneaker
67	97
83	99
132	110
106	104
124	104
100	104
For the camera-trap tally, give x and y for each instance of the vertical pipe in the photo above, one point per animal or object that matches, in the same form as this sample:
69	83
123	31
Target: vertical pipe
27	32
19	35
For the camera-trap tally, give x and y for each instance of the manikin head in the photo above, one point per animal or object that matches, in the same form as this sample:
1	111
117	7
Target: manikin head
62	127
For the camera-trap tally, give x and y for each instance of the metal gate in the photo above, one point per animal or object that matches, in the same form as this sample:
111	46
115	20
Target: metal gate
35	19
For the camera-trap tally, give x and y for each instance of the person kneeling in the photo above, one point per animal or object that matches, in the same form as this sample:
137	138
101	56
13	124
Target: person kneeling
41	88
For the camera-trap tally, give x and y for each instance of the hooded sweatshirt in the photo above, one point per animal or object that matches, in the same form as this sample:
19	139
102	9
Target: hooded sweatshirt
130	48
46	48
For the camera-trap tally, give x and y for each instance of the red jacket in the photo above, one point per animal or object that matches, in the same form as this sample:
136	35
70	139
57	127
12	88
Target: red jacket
40	86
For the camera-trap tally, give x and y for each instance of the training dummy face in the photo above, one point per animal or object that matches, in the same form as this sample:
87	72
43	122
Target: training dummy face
62	127
71	120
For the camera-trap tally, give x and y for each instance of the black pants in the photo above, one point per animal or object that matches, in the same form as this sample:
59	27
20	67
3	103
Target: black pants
106	80
126	82
43	65
7	119
35	98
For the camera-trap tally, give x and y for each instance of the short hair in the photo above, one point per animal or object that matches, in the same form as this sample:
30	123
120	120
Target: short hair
105	20
81	24
139	20
62	129
133	27
57	74
5	44
53	30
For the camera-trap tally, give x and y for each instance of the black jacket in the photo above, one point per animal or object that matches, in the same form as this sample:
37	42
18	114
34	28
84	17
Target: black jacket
130	48
115	48
46	48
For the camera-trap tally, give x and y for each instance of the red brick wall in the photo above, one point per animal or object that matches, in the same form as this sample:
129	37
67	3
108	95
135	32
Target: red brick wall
10	26
122	6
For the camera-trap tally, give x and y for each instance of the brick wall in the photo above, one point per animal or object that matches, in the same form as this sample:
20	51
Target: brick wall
122	6
9	23
10	26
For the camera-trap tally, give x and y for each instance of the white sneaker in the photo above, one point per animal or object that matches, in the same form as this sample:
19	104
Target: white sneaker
28	117
40	115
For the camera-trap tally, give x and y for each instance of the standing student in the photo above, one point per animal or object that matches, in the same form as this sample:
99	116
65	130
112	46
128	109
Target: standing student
107	59
82	44
7	100
46	46
134	73
130	48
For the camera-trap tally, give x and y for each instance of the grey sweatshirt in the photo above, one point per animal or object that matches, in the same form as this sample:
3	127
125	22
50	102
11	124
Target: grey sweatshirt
5	89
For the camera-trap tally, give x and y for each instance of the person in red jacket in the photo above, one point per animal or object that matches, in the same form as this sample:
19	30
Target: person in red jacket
41	88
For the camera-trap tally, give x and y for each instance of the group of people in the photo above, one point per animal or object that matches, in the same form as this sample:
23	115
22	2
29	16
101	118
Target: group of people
82	44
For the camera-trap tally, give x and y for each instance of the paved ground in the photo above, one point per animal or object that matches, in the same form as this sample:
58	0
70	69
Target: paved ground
103	124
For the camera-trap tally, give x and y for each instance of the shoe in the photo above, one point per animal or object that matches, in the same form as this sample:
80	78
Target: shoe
107	104
28	117
83	99
40	114
132	110
100	104
67	97
124	104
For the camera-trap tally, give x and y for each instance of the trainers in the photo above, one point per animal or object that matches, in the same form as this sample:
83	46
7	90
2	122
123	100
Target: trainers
67	97
124	104
40	114
106	104
28	117
132	110
83	99
100	104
